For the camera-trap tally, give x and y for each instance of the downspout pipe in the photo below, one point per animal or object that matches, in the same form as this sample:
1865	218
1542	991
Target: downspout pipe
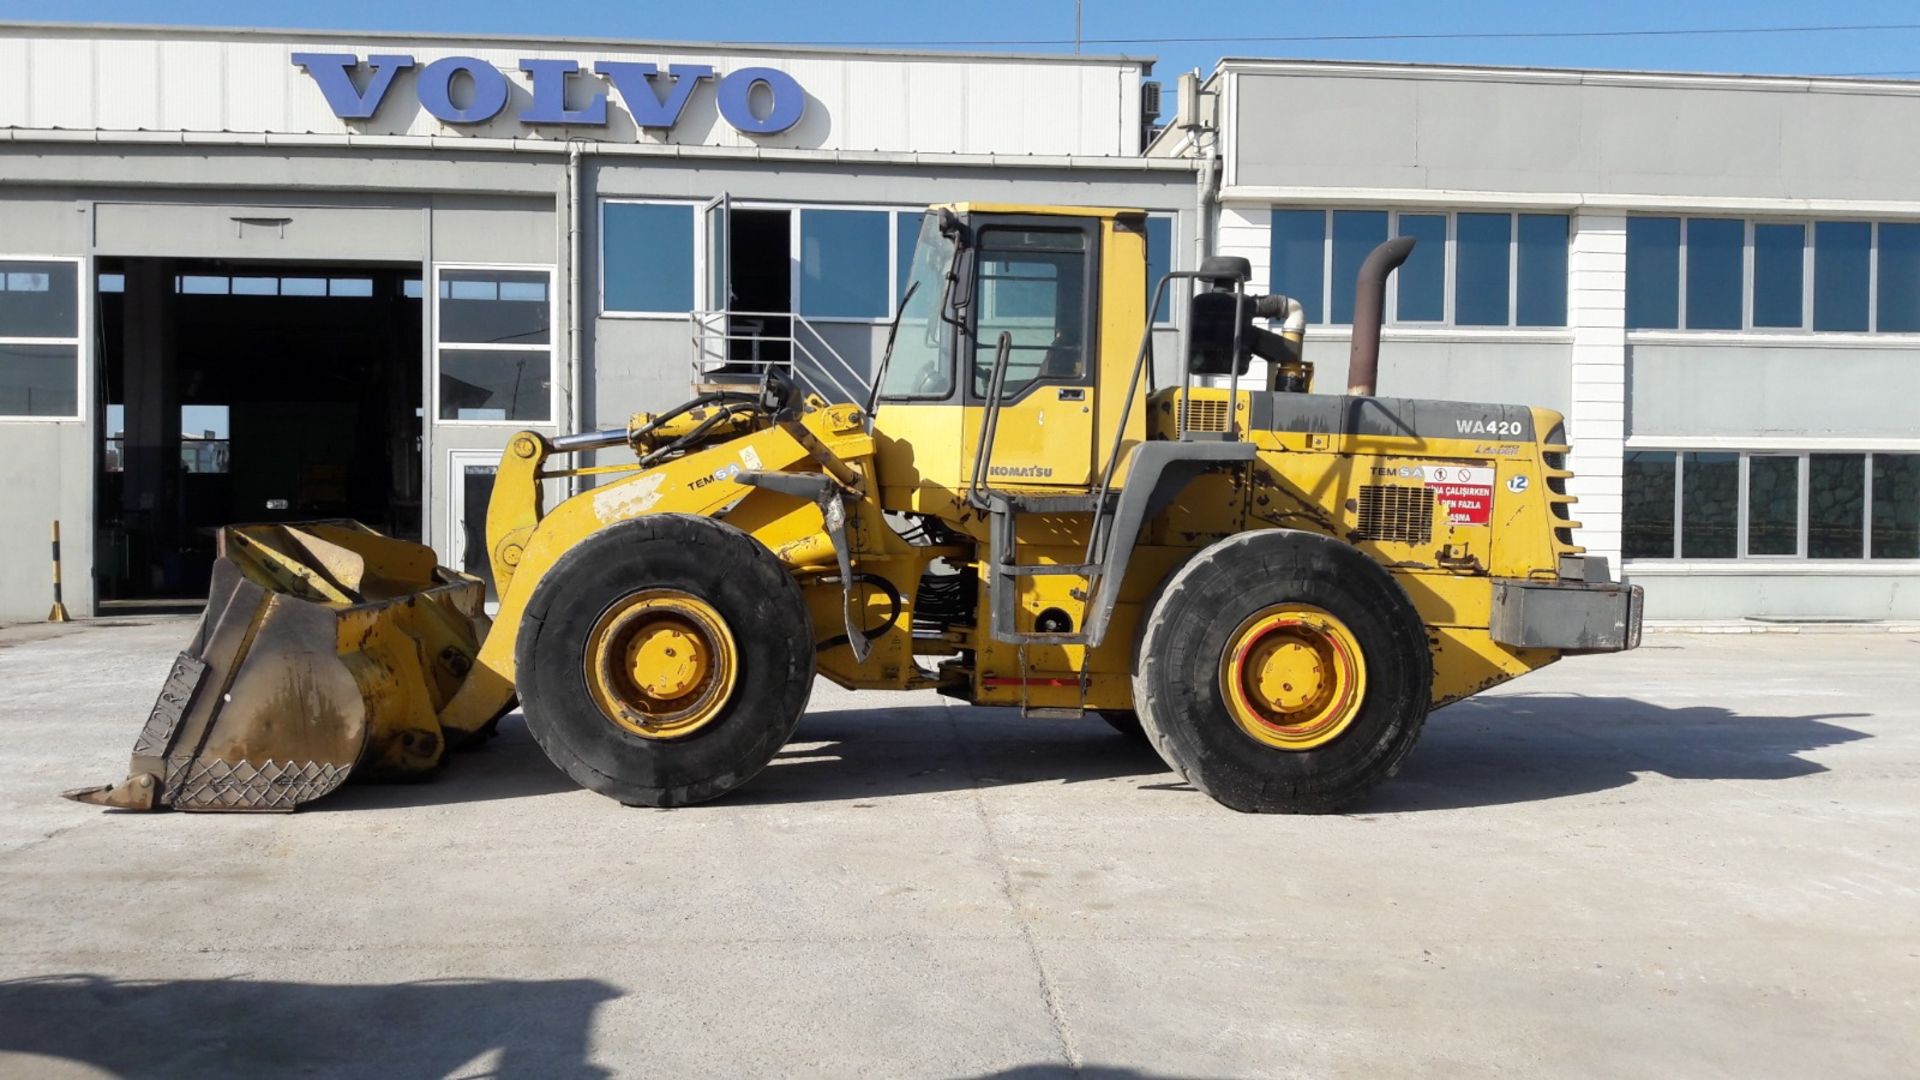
1369	311
1204	186
576	319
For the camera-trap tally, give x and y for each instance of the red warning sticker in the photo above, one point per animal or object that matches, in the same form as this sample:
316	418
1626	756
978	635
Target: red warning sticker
1466	492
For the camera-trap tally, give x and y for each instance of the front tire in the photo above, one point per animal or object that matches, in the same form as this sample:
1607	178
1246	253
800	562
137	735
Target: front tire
665	660
1283	672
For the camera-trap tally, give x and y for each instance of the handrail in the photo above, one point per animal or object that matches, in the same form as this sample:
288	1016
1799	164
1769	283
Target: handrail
990	422
813	360
1141	363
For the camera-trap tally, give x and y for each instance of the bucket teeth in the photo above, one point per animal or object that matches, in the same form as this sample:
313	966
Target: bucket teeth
138	792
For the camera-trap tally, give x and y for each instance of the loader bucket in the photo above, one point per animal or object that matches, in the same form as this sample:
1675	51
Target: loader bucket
326	650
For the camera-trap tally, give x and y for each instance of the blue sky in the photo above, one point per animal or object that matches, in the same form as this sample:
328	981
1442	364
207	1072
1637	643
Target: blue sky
1289	24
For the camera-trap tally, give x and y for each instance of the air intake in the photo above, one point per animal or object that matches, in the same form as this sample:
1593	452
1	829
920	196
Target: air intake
1396	512
1205	414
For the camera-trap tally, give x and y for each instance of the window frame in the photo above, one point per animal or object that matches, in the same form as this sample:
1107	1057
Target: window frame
1743	558
1808	263
702	258
555	331
600	271
81	341
797	260
1450	267
1174	293
1091	257
459	460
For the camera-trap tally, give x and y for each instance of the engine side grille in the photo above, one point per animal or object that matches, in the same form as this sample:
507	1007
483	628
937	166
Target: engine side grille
1206	415
1396	512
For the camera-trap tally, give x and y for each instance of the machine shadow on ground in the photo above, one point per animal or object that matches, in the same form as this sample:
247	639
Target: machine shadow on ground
1489	751
220	1027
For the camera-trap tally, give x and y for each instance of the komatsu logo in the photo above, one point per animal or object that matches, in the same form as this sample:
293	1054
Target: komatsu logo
1020	472
755	100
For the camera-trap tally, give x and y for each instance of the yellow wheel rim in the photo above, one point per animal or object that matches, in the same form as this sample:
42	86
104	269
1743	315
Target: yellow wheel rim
661	663
1293	676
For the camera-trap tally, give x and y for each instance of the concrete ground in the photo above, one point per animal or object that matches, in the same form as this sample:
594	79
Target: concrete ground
1699	859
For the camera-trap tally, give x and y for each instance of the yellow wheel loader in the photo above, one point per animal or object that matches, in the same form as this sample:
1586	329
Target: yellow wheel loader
1273	586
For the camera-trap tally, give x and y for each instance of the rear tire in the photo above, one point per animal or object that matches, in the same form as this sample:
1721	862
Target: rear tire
768	655
1181	672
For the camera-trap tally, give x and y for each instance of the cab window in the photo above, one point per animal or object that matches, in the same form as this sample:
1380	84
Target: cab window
922	362
1032	285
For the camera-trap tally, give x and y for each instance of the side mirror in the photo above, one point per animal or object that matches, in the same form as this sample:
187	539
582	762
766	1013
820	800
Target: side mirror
951	226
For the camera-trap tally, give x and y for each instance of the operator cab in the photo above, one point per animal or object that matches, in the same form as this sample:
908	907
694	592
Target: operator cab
1040	286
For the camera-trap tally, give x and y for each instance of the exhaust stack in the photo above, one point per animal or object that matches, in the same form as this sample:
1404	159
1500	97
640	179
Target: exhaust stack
1369	310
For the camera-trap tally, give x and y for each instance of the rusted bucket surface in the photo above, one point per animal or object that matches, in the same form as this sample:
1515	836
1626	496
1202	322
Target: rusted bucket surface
326	650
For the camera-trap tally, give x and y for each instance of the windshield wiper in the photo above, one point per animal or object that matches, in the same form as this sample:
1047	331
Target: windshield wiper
886	357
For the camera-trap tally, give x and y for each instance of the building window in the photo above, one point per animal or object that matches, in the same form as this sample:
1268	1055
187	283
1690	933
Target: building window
1895	531
474	472
1540	288
494	345
843	263
1709	506
1422	296
357	288
1480	265
1468	269
1159	264
1842	266
1299	259
646	258
1649	500
1653	273
1715	251
1773	504
1779	275
906	230
846	261
205	446
1836	505
1733	274
40	338
1898	296
1770	506
1355	234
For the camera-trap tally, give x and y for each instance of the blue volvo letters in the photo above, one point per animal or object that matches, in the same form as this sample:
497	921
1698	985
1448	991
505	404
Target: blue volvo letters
468	90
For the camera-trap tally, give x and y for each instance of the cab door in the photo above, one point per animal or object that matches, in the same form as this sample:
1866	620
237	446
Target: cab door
1034	281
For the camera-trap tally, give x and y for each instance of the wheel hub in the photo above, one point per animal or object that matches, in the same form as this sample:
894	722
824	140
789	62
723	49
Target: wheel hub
667	659
1292	676
661	663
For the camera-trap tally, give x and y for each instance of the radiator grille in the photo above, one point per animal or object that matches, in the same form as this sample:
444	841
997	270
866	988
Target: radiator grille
1396	512
1206	415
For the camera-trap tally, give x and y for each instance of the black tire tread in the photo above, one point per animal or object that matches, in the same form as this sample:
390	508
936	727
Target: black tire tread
1198	738
771	628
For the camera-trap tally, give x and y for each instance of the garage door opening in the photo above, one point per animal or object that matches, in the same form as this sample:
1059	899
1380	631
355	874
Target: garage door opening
241	392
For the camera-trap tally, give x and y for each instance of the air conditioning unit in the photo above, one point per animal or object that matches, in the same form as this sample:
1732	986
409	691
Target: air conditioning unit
1150	101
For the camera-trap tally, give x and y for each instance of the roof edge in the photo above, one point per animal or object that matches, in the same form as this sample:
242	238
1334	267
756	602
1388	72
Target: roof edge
272	33
1560	74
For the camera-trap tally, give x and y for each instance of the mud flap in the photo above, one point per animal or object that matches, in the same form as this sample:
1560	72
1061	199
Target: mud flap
325	649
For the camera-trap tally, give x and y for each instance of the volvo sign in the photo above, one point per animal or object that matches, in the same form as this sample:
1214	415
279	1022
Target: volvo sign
655	98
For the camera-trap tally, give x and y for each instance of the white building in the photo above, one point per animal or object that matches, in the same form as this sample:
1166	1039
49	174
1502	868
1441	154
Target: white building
1717	279
360	261
259	275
